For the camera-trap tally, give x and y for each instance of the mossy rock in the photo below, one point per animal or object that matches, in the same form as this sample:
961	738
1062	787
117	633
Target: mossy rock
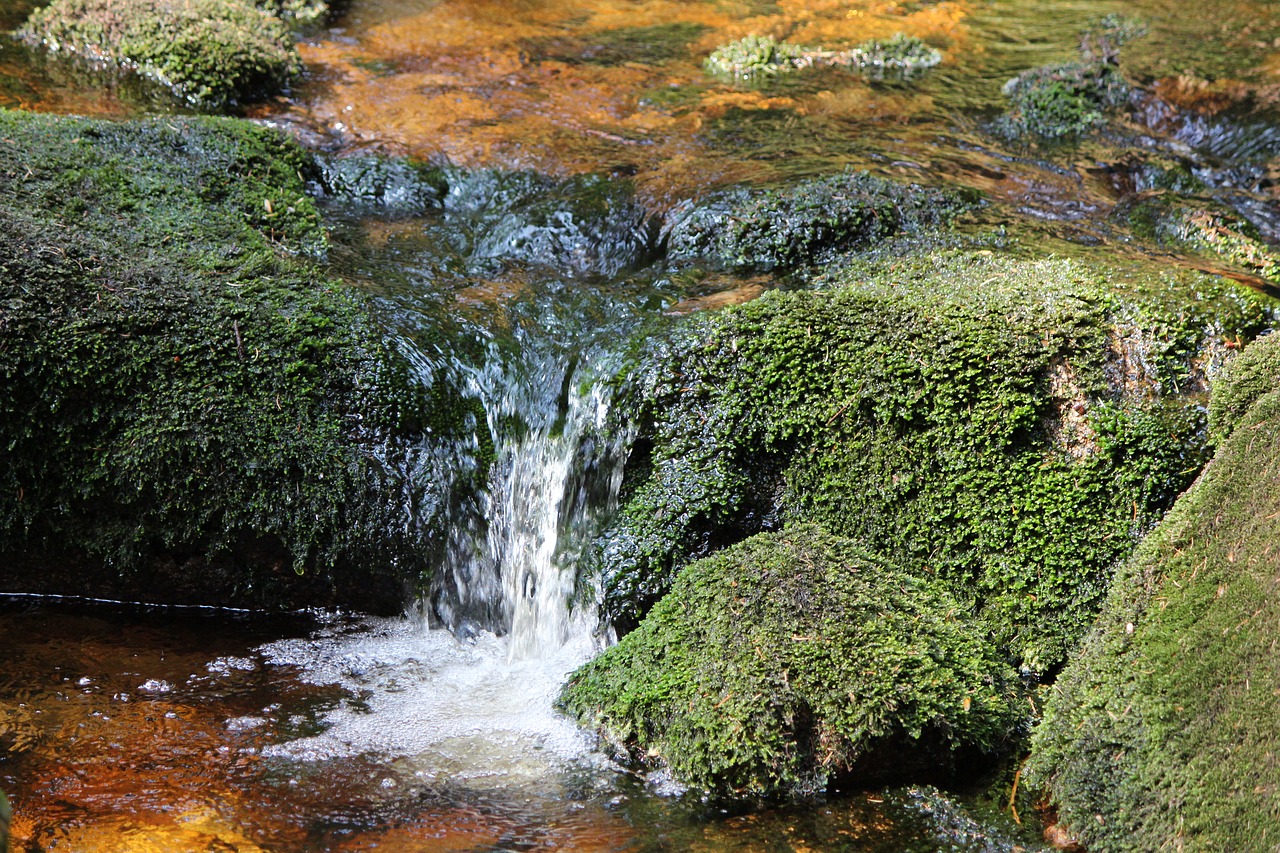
1011	427
189	409
1056	101
1205	226
794	657
210	52
808	222
1164	732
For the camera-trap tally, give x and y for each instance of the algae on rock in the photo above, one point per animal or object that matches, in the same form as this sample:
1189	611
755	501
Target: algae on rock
188	407
210	52
793	657
1164	732
1011	427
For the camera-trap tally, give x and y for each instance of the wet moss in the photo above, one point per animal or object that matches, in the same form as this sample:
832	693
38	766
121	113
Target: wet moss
1164	732
807	222
754	57
210	52
1010	427
190	410
794	657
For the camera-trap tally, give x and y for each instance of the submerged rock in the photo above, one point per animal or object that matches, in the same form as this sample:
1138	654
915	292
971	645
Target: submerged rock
794	657
1010	427
806	223
391	185
1165	731
191	411
209	52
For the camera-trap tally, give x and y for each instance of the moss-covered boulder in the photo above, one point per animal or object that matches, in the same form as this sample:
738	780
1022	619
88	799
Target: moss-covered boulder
1164	732
794	657
806	223
210	52
189	410
1011	427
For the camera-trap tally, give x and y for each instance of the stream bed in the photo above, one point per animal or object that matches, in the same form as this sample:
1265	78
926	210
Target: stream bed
135	728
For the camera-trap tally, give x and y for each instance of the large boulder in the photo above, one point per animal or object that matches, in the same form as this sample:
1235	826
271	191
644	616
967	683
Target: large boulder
1164	732
794	657
210	52
1011	427
190	410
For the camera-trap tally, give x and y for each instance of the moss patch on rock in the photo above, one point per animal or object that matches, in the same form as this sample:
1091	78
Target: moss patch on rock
210	52
182	395
1165	731
792	657
1010	427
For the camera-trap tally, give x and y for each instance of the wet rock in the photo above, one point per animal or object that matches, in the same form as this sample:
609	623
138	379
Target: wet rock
587	225
191	410
793	657
209	52
1165	730
390	185
806	223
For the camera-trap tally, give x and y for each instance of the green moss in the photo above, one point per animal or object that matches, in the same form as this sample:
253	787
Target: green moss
754	57
900	56
210	52
790	658
179	383
1002	425
1165	731
807	222
1056	101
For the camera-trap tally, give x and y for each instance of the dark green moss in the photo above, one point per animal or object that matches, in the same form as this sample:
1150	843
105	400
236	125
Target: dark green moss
1165	731
1010	427
793	657
1056	101
807	222
181	389
210	52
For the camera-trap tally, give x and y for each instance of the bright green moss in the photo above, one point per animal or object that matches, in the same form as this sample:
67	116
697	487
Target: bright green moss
179	385
1164	733
754	57
1057	101
1001	425
794	657
210	52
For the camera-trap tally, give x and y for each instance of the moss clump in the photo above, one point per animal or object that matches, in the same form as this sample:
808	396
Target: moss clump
1165	731
999	424
186	404
900	55
754	57
1056	101
210	52
792	657
806	223
1205	226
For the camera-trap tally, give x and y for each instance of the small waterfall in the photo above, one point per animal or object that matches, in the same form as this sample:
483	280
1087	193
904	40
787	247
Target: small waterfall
512	564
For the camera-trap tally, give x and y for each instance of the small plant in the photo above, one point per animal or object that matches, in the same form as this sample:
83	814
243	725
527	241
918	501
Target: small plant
754	57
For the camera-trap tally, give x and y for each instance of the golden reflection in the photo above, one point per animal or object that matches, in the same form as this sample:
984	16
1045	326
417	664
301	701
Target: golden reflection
521	83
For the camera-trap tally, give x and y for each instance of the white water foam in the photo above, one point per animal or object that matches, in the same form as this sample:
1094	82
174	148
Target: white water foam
477	708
